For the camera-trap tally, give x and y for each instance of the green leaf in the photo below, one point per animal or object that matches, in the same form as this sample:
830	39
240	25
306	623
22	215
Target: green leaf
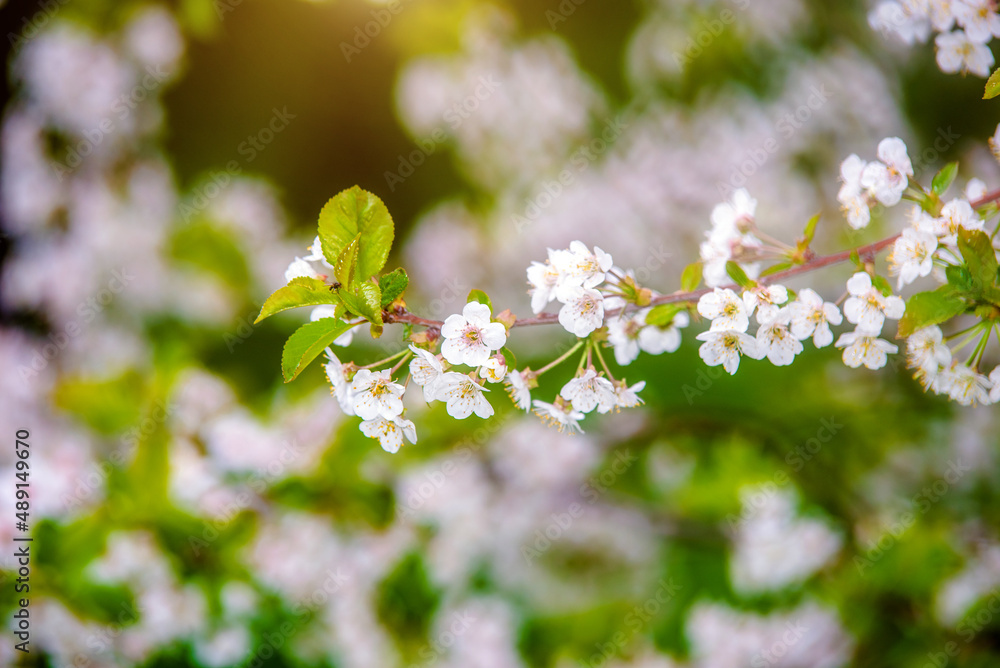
352	213
943	179
393	285
992	86
307	342
371	301
930	308
739	276
959	278
664	314
302	291
882	285
480	297
980	258
856	260
691	277
509	358
347	262
810	231
775	268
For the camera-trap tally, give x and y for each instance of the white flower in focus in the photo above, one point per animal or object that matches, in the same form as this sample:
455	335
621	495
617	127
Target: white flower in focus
299	268
809	316
578	266
926	351
776	342
853	196
375	394
563	417
544	279
903	19
341	389
470	338
518	390
766	299
956	214
493	370
912	256
862	347
330	311
966	386
628	397
590	391
725	347
725	309
956	52
389	432
658	340
978	18
463	396
426	370
582	311
887	180
867	307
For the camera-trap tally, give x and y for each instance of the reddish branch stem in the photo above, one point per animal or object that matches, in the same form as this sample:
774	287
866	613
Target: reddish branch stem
815	263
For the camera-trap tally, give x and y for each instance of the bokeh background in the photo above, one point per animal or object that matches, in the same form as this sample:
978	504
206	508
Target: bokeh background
162	163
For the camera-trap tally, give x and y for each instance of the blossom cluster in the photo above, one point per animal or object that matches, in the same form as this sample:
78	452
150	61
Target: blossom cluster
604	307
964	29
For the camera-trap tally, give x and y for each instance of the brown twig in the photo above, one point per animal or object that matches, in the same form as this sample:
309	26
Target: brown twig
817	262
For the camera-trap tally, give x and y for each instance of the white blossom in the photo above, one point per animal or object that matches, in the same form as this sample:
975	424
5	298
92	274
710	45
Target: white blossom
956	52
904	19
563	417
730	238
299	268
657	340
316	253
623	335
867	307
330	311
389	432
582	311
887	179
956	214
978	18
853	196
863	347
590	391
725	347
965	385
493	370
341	388
578	266
518	390
926	352
375	394
543	279
426	370
809	316
463	396
470	338
725	309
628	397
912	256
766	300
776	342
994	378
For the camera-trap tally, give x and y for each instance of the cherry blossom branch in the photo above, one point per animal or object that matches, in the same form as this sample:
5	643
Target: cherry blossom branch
818	262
